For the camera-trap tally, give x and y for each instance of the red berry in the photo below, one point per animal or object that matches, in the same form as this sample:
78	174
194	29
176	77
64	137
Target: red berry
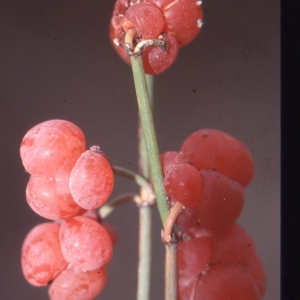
222	200
183	183
186	287
51	148
42	259
227	282
183	18
188	217
258	273
146	18
171	158
232	245
210	149
193	256
156	60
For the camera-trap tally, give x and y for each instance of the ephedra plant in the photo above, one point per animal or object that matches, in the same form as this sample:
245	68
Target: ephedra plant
199	188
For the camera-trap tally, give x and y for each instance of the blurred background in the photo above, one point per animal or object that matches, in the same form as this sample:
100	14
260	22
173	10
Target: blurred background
56	61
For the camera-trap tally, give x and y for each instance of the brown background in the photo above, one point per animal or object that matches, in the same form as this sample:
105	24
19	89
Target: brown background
57	62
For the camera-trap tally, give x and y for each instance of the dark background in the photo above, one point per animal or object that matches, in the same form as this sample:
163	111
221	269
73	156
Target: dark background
56	61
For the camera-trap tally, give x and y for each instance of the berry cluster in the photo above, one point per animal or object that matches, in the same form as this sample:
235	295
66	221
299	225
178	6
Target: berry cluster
205	182
154	28
66	184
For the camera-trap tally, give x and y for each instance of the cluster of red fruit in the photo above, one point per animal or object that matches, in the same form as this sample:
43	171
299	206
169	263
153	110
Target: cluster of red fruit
216	256
66	184
154	28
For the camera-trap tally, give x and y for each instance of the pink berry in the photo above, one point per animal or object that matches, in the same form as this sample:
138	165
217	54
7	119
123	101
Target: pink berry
51	198
42	259
91	180
85	243
73	284
51	148
210	149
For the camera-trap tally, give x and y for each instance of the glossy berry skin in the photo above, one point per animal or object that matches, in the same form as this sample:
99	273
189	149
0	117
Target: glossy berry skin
232	245
51	198
183	19
73	284
91	180
193	256
170	158
227	282
85	243
42	259
146	18
155	60
51	148
184	184
222	200
188	217
210	149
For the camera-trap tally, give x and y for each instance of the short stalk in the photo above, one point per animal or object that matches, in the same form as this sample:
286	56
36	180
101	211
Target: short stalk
138	179
105	210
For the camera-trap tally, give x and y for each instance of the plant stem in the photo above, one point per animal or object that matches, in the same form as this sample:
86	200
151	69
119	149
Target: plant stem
150	135
171	272
145	218
144	263
108	208
140	180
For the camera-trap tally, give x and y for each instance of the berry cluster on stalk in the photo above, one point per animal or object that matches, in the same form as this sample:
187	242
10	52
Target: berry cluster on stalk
155	29
216	257
67	183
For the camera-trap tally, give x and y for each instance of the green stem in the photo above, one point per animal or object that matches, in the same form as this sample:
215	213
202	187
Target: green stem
150	135
143	158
